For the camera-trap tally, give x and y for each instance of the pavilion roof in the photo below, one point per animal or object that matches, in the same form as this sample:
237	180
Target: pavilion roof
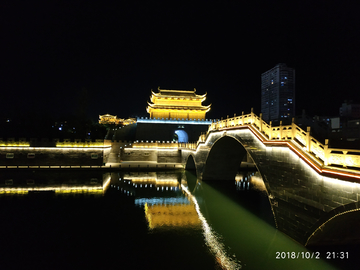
178	93
107	115
201	108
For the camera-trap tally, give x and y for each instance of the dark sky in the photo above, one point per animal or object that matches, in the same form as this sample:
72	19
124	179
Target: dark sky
52	54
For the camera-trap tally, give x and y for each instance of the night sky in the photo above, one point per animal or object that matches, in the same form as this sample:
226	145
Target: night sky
56	56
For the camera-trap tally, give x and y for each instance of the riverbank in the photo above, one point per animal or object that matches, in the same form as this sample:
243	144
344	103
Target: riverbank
123	166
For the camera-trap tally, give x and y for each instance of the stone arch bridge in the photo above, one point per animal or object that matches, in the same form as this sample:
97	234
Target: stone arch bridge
314	191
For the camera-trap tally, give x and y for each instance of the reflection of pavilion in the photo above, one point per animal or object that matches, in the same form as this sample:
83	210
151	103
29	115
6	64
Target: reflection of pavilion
164	203
170	205
164	215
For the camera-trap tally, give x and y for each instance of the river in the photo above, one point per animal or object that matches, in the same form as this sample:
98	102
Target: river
152	220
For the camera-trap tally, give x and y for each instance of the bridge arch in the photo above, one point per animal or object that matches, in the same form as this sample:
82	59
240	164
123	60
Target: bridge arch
190	163
338	227
224	159
310	200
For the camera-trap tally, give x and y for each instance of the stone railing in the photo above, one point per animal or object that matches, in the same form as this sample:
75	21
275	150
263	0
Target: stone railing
190	146
156	144
347	158
22	142
79	143
45	142
164	144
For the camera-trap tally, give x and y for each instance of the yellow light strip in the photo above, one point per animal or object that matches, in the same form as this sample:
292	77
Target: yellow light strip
107	183
15	145
56	148
79	146
148	216
82	145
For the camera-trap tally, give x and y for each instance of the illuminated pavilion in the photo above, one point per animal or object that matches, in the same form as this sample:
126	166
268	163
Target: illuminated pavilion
177	104
112	119
108	119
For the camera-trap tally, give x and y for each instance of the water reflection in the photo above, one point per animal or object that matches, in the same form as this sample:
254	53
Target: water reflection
161	196
213	223
212	239
243	217
245	179
60	183
171	215
237	224
168	204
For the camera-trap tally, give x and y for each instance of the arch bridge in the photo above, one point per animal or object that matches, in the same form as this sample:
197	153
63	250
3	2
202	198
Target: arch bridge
314	190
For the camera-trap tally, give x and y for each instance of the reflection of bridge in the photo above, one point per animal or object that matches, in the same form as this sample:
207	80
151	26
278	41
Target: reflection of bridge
314	190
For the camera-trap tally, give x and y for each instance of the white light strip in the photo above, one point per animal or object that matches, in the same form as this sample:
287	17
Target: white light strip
106	184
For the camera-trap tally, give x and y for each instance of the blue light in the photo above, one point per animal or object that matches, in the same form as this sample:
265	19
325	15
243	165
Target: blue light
166	201
182	136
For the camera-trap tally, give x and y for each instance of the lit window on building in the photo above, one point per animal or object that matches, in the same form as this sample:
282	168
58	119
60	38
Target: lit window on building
9	155
31	155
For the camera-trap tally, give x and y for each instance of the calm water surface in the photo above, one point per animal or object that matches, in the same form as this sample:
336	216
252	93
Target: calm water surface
150	220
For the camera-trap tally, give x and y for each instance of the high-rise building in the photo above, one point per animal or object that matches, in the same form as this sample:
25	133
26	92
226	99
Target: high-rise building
278	93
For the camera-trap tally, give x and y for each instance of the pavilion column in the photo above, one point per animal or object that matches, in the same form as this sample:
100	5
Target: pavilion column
293	128
308	140
326	152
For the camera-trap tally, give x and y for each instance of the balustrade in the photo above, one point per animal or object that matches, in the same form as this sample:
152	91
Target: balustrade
292	134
